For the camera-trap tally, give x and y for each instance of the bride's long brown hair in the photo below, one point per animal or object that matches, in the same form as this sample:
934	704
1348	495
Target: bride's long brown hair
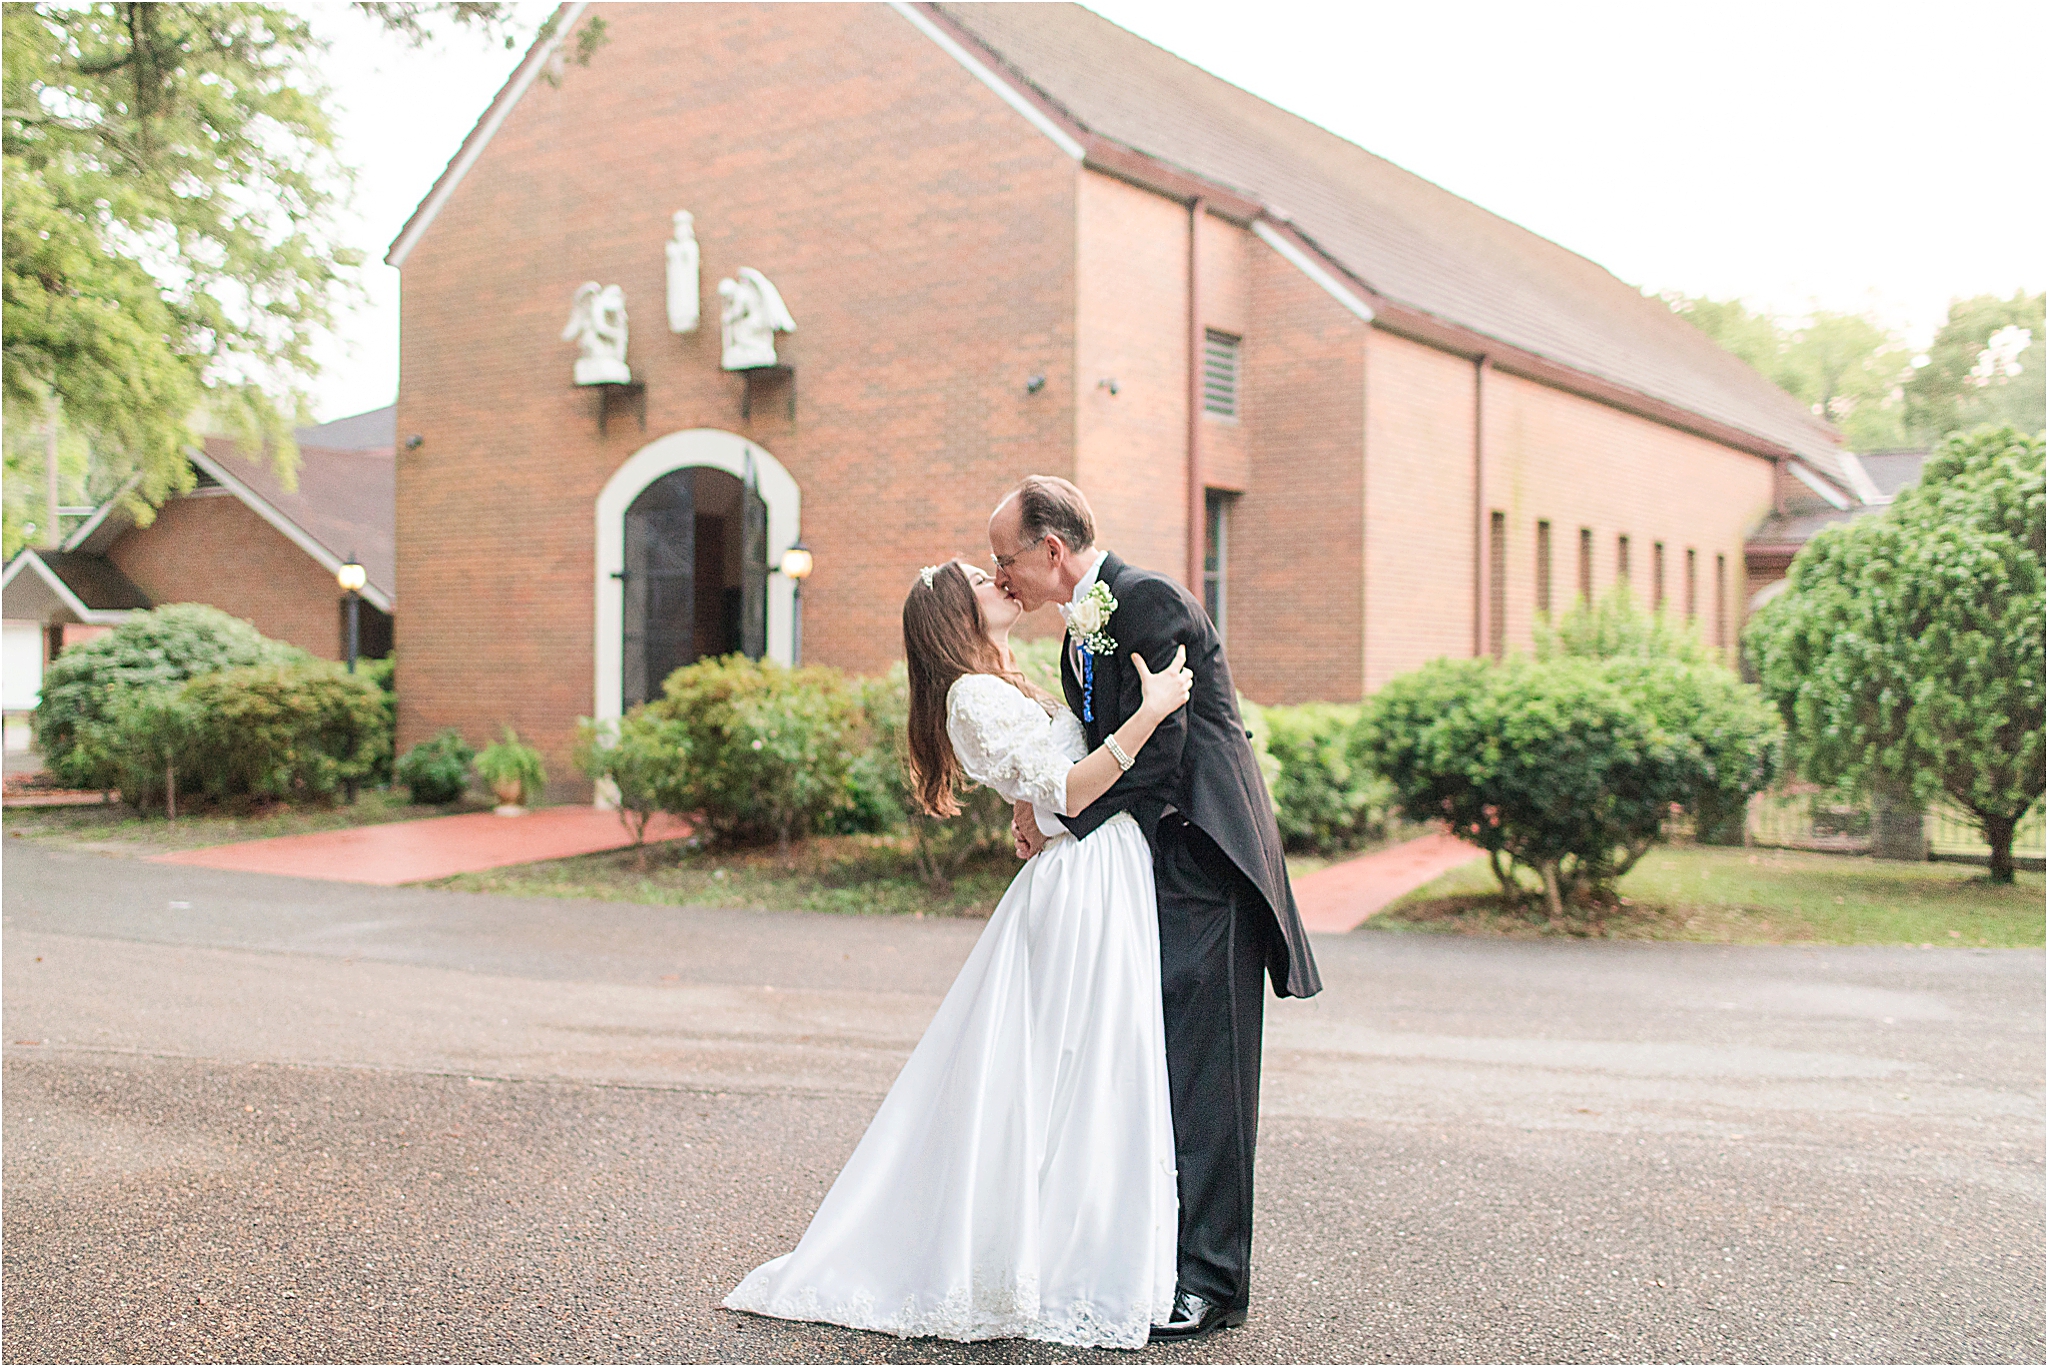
945	637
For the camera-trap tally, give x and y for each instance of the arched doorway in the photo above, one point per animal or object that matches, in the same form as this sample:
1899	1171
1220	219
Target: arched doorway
686	531
695	579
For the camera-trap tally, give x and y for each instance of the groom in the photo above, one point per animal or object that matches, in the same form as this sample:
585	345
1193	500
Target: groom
1226	913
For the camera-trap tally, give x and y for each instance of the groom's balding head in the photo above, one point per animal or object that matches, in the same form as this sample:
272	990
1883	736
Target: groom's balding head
1040	534
1050	506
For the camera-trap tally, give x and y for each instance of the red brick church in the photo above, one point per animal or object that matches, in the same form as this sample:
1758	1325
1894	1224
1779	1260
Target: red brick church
1374	422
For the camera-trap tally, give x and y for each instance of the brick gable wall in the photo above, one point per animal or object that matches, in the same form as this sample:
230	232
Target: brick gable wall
921	233
213	549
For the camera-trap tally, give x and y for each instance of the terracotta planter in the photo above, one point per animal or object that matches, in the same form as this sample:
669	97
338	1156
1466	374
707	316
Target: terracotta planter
509	791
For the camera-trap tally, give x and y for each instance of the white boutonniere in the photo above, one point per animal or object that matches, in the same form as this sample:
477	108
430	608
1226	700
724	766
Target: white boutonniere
1089	618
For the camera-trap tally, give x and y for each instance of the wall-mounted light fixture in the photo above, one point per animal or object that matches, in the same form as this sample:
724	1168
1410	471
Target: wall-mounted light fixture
415	442
1034	384
797	564
1109	384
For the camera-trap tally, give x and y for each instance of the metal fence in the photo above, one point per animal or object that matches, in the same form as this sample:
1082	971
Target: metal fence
1950	835
1803	817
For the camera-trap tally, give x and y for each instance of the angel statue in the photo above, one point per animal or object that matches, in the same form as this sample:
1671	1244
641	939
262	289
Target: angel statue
597	324
753	314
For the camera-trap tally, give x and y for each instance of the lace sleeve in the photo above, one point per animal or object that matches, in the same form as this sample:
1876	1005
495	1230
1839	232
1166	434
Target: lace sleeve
1005	741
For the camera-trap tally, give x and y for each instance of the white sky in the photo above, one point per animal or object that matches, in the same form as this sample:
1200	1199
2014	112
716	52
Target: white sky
1868	157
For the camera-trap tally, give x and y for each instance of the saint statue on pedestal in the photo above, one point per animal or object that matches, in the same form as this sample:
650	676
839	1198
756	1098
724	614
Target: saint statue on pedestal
683	260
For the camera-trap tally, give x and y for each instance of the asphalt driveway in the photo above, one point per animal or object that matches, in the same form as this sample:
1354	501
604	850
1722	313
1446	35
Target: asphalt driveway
254	1118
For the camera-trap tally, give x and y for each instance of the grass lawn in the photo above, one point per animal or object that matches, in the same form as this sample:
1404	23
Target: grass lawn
118	829
868	875
1738	896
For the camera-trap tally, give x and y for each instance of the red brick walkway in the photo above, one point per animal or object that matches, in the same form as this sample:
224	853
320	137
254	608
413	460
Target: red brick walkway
413	851
1340	897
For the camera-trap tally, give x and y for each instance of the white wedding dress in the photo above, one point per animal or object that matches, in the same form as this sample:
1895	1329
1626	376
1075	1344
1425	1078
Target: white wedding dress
1018	1181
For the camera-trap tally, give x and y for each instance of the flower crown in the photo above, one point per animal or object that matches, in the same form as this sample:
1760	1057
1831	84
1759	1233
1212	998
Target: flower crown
927	572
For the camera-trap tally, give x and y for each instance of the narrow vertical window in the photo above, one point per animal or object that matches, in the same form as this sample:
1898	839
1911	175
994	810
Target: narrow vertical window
1586	563
1543	568
1692	584
1621	559
1497	587
1656	574
1216	557
1219	374
1721	601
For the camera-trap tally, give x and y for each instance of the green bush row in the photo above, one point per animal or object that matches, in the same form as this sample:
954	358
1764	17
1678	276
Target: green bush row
753	752
292	732
187	699
1565	767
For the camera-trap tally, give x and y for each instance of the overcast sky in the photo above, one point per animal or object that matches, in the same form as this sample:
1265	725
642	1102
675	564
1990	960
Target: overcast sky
1864	157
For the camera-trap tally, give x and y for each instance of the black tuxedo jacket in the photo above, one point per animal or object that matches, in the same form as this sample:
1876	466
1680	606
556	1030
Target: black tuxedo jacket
1199	762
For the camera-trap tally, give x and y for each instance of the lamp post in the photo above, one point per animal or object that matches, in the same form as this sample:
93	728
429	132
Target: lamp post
797	564
352	577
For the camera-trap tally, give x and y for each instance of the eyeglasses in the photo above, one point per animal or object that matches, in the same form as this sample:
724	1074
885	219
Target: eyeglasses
1004	562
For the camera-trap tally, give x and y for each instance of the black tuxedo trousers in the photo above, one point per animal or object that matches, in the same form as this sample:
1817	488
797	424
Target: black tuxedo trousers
1213	932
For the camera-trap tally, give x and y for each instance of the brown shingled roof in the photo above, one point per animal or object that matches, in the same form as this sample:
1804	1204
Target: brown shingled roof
1404	238
347	500
96	581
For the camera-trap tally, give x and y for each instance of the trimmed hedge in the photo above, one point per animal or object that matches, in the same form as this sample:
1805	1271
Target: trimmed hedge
89	687
763	751
1326	797
1568	768
278	731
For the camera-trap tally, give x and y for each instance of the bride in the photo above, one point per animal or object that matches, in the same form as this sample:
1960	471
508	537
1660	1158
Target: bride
1018	1181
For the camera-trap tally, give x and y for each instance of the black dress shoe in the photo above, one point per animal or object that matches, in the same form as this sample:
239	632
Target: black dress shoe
1194	1318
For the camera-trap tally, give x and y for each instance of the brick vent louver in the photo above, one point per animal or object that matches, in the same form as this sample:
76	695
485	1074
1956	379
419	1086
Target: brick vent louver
1219	374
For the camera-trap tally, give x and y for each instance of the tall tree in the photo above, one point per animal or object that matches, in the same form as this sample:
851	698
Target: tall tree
1847	368
1907	649
170	250
1986	365
171	187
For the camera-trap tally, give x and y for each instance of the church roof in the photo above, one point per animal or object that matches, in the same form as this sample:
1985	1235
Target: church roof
1432	264
344	501
1401	237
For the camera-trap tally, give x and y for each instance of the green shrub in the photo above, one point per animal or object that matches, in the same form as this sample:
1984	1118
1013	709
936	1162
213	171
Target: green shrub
767	751
1255	721
384	673
1664	665
86	685
1740	739
1039	661
285	731
1618	627
943	845
878	784
509	761
1327	800
1549	767
151	739
435	770
641	757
